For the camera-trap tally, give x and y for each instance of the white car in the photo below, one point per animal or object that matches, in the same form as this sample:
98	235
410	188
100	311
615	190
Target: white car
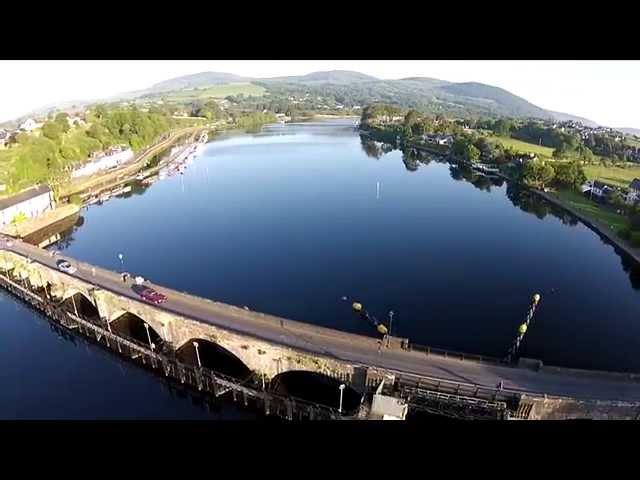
66	267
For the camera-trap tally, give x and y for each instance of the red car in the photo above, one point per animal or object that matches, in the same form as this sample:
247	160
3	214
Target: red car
149	294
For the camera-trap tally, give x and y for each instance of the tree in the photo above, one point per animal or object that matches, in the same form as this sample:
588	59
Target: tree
472	153
615	198
503	127
537	173
411	118
570	174
100	111
62	119
52	130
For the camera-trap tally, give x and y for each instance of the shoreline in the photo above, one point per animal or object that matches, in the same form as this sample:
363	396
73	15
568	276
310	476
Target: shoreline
597	227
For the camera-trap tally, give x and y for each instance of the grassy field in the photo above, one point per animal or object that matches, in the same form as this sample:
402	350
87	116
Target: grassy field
521	146
618	176
216	91
591	209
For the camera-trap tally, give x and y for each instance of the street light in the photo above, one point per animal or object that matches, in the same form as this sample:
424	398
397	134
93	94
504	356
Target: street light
146	326
195	344
121	257
341	387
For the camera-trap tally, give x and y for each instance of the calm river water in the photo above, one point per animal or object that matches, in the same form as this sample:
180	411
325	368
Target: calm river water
291	220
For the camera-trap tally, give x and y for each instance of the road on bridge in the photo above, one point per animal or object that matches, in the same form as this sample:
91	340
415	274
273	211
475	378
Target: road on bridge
352	348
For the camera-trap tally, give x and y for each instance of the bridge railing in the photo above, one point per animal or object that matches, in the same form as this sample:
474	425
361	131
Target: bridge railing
408	383
471	357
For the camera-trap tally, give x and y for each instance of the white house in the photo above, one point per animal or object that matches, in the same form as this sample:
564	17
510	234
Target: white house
32	203
28	125
114	157
633	195
599	189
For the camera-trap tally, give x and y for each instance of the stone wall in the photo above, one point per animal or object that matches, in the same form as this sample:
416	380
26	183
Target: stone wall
570	409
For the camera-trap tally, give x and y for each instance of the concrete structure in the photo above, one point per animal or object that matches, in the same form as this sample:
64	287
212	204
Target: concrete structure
32	203
271	348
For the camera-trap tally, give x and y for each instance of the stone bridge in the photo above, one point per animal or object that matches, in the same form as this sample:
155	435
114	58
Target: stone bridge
240	343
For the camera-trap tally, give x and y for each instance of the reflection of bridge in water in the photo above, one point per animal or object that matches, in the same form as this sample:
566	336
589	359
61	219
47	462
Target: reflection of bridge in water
295	369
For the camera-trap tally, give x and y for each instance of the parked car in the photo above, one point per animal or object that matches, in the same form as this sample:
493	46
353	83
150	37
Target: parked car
149	294
66	267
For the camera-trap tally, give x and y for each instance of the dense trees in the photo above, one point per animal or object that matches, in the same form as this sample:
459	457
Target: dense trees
570	174
378	111
52	130
537	173
464	148
48	157
209	110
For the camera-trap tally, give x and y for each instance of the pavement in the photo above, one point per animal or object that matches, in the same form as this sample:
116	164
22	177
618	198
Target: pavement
352	348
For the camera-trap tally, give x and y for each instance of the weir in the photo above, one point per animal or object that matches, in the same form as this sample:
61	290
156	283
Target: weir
291	369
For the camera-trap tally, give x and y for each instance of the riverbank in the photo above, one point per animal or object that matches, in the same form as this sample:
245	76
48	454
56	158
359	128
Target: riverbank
109	180
600	228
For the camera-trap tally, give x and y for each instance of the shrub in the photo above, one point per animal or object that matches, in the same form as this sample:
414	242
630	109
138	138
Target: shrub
625	233
19	218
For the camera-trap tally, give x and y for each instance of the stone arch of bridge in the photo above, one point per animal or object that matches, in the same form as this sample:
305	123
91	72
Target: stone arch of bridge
134	327
212	355
316	387
79	301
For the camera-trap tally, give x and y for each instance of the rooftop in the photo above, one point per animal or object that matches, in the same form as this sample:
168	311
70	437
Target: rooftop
24	196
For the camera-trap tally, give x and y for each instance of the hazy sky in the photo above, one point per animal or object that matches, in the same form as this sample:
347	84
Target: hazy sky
606	92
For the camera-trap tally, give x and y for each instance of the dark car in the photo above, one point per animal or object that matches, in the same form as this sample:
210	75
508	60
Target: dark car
149	294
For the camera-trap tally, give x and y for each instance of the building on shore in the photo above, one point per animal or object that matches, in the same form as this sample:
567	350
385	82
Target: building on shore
31	203
29	125
114	157
633	194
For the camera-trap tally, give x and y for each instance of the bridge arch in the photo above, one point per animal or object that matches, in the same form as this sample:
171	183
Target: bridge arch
213	356
80	303
132	326
316	387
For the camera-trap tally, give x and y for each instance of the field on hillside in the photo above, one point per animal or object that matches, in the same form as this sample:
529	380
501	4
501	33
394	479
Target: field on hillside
521	146
216	91
621	177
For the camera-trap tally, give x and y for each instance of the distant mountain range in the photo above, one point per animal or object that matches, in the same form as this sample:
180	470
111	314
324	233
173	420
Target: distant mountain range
416	92
630	131
409	92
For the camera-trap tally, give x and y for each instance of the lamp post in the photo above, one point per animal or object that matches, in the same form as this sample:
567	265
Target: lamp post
146	326
390	323
195	344
341	387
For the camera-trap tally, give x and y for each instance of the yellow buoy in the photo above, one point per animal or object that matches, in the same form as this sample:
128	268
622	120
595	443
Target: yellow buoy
357	306
382	329
523	329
